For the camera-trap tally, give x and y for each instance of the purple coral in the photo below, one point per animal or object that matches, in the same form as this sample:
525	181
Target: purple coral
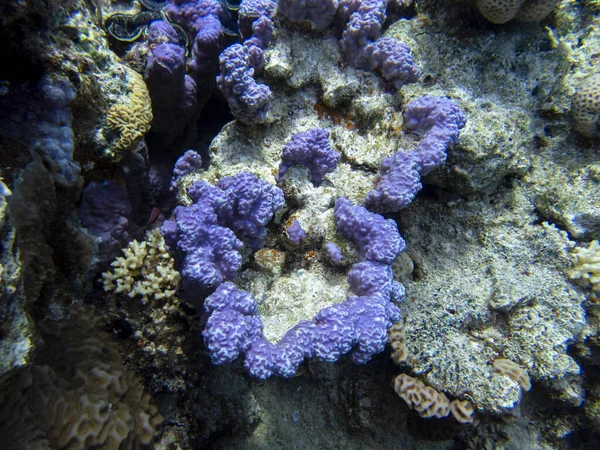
439	120
319	12
377	238
334	252
207	232
358	325
211	252
249	13
201	20
250	205
173	93
364	49
248	100
310	149
295	232
186	164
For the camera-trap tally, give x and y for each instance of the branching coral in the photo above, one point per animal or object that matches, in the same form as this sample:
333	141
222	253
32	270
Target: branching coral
131	119
146	269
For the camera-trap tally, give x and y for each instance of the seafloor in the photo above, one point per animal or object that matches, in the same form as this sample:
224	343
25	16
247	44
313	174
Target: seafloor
101	342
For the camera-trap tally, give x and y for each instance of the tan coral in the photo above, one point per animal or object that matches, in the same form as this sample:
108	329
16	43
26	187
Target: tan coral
585	107
146	269
396	339
78	396
462	411
425	400
130	119
502	11
512	370
587	265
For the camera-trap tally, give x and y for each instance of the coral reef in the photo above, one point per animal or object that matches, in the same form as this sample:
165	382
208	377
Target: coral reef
476	140
248	100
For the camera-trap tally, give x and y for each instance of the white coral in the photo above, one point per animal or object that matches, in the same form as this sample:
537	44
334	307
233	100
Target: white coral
145	269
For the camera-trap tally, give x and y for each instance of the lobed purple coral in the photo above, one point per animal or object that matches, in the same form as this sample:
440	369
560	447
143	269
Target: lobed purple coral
310	149
189	162
211	252
248	100
358	325
364	49
440	121
249	206
377	238
295	233
318	12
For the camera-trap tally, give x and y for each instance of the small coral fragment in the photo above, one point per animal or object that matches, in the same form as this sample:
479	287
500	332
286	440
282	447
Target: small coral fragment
587	265
130	120
145	269
512	370
462	411
586	107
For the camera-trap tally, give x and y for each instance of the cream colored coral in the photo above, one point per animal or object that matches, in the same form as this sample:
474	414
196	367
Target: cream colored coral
585	107
423	399
130	119
77	396
512	370
146	269
462	411
501	11
587	265
396	339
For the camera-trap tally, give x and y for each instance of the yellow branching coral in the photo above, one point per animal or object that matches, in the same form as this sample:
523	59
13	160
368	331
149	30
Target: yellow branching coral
145	269
587	265
131	119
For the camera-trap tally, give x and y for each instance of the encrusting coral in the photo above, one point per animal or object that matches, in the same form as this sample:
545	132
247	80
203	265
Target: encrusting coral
587	264
130	120
146	269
